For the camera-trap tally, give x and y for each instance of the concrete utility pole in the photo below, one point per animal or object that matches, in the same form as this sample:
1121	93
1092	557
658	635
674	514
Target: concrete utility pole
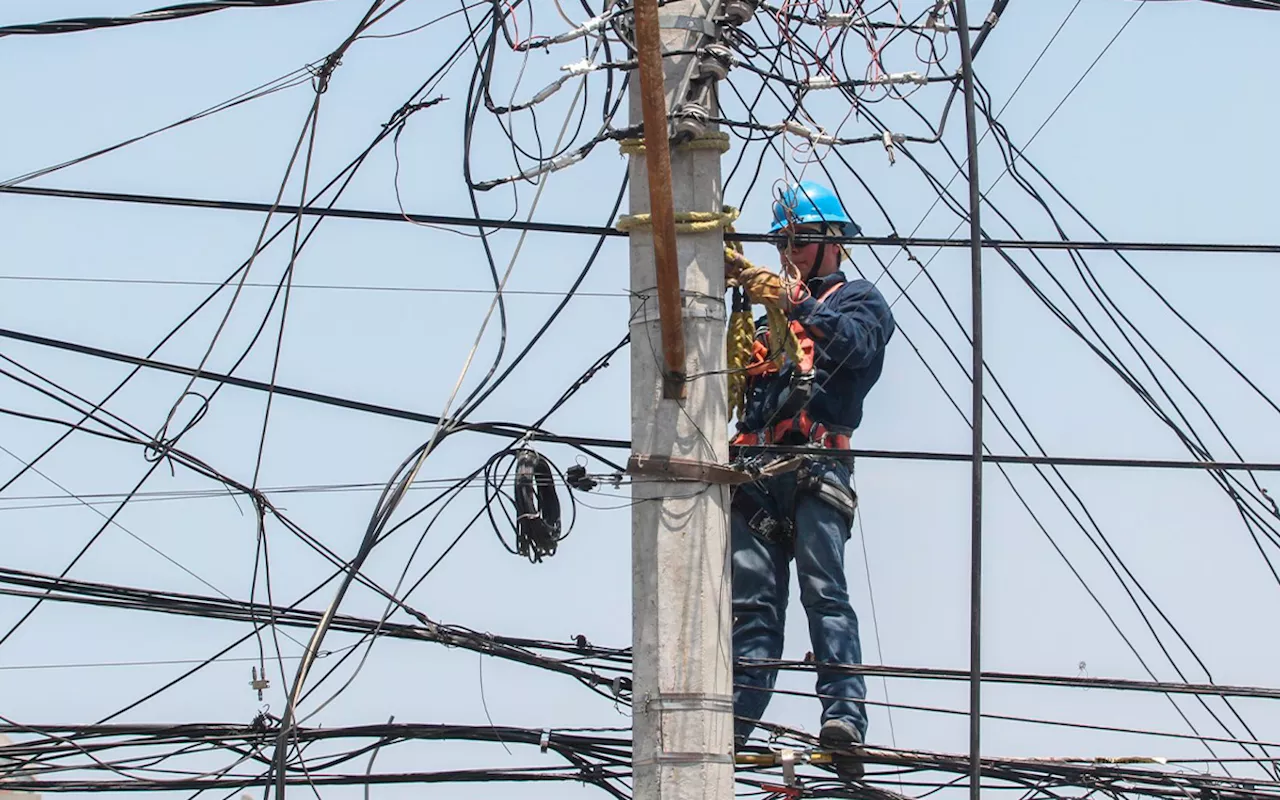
682	722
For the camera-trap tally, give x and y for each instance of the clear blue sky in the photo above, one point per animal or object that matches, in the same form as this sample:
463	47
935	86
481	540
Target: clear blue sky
1169	138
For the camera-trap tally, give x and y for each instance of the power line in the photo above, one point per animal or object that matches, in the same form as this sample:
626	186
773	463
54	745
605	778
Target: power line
508	429
181	603
79	24
296	286
595	230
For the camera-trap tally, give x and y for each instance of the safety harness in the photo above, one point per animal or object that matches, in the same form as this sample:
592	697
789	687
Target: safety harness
794	425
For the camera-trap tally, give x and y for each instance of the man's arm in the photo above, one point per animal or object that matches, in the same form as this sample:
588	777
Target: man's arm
852	326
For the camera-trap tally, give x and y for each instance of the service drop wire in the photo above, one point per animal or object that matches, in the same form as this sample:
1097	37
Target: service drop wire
390	498
349	174
1130	380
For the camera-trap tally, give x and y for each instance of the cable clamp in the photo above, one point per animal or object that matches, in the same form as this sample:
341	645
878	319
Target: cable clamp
788	760
888	147
685	759
715	703
838	20
259	684
901	77
588	27
616	685
545	741
821	82
992	19
791	126
938	18
579	67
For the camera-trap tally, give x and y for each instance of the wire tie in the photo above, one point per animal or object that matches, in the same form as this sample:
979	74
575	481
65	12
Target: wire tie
545	741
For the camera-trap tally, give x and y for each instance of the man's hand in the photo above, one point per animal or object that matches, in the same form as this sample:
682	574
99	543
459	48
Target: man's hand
794	292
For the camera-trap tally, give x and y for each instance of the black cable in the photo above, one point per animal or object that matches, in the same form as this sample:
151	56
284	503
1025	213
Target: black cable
182	11
593	230
1129	378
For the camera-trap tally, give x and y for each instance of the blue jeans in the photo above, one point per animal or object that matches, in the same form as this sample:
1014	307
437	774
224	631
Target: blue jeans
761	577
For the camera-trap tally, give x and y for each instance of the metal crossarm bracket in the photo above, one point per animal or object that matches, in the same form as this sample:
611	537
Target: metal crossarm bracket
687	469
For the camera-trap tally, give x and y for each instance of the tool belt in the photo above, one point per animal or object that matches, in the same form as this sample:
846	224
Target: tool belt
780	530
799	431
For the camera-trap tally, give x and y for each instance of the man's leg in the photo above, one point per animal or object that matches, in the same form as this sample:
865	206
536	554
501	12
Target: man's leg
823	524
760	577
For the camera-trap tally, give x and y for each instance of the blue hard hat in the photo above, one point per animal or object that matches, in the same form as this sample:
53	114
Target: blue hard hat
811	203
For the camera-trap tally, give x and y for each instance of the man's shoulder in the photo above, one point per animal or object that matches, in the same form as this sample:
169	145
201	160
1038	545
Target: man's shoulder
859	290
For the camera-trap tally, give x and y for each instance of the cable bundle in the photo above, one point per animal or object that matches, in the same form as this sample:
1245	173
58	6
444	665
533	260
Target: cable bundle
536	504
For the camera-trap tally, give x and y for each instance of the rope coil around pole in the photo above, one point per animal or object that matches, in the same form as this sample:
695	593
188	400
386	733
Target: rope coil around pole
714	140
686	221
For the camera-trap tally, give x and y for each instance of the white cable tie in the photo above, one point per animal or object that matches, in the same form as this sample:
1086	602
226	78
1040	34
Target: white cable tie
579	68
545	741
821	82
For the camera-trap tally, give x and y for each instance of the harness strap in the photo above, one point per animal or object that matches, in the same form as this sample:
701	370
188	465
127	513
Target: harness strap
796	423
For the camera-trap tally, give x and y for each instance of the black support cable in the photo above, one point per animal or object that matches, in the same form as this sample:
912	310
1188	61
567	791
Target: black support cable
77	591
582	442
597	230
976	407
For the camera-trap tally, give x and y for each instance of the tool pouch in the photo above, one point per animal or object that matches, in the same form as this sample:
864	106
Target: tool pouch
826	484
778	531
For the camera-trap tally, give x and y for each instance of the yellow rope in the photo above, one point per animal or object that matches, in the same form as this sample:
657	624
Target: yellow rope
742	333
764	288
717	140
686	221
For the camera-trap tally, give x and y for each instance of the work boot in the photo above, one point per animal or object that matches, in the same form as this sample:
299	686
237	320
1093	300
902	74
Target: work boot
843	739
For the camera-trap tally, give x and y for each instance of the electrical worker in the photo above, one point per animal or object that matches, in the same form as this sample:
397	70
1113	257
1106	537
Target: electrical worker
807	515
